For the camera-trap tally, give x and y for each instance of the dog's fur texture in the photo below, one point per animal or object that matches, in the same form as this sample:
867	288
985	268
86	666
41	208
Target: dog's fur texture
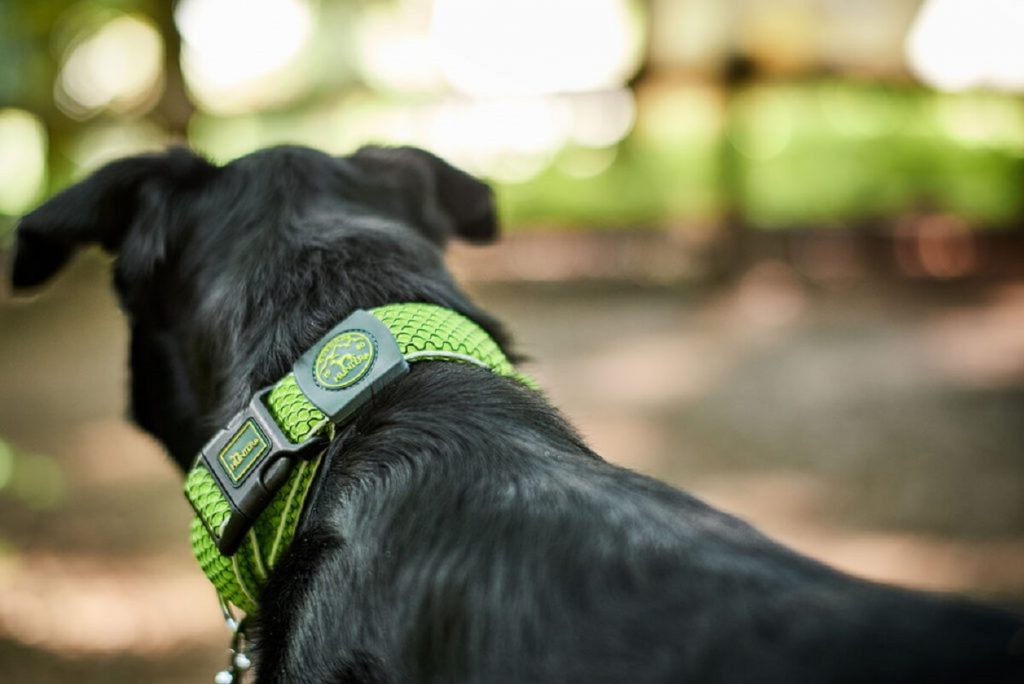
463	531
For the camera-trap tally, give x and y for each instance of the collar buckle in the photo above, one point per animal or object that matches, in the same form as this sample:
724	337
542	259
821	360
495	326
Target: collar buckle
250	460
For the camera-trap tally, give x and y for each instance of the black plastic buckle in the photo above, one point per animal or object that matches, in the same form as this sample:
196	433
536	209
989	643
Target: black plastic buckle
251	459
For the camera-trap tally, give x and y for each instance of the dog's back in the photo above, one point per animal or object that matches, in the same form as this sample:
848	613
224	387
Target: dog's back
468	535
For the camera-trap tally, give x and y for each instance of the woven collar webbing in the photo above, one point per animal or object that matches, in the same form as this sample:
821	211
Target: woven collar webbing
423	332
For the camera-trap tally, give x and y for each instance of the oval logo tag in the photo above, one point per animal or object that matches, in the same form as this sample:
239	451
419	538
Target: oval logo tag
345	359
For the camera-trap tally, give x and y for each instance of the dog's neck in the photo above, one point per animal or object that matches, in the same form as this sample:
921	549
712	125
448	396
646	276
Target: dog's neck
250	482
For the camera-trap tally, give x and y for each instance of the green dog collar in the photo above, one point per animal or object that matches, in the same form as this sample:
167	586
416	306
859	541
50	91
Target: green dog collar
250	481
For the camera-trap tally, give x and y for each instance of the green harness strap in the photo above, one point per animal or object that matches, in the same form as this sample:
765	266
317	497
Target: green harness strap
424	332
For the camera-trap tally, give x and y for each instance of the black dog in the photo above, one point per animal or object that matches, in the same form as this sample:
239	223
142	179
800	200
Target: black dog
463	532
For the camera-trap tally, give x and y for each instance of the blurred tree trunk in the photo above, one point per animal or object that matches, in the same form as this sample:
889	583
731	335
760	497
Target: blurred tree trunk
175	109
31	25
730	252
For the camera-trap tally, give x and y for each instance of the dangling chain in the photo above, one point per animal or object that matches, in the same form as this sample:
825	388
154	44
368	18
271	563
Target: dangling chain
239	662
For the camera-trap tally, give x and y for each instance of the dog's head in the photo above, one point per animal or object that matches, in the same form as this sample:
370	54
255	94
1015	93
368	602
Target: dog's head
228	273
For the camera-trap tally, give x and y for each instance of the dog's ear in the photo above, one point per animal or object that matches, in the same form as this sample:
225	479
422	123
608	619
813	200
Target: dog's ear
451	203
100	210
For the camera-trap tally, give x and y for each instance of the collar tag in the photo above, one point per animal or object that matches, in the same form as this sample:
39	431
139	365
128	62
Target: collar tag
349	365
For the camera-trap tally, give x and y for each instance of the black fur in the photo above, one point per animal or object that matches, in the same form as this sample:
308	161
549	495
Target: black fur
464	532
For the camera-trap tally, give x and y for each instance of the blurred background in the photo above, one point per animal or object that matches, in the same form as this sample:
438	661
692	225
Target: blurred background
807	214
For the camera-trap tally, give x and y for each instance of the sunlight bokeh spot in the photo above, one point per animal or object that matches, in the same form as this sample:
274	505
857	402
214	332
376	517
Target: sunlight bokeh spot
106	142
234	49
767	125
6	463
22	160
602	119
586	163
983	122
393	48
118	67
491	47
956	45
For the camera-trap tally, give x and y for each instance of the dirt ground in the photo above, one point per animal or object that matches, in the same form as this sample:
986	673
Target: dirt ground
879	427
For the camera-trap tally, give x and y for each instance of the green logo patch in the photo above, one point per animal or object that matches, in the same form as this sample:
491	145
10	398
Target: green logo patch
345	359
243	451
